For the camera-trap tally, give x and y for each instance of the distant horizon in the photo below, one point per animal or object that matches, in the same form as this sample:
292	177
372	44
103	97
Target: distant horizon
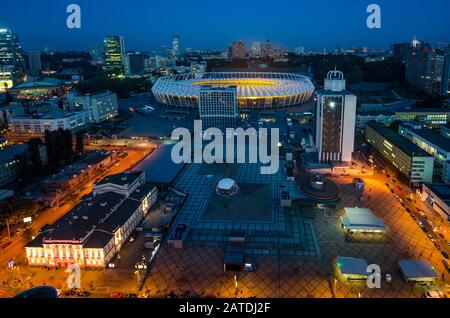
202	24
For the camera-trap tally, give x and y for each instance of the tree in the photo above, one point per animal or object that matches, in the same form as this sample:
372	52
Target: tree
35	154
79	143
68	143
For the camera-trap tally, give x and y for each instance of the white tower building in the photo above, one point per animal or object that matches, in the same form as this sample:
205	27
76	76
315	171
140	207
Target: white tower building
335	120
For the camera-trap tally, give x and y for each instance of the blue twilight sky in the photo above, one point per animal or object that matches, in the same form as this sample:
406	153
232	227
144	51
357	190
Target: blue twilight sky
146	24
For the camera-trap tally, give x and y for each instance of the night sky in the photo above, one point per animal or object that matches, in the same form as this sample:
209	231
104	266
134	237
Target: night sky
146	24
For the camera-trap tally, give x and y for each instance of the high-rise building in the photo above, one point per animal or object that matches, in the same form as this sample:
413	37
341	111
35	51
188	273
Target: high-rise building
400	50
267	50
427	69
96	52
115	57
175	45
33	63
238	50
335	120
135	63
12	66
300	50
256	49
218	106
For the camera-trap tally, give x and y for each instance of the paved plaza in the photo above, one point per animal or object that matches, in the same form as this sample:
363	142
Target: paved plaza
271	229
198	269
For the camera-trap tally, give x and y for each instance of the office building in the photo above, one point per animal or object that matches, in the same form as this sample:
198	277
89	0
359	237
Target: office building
400	50
413	162
198	67
300	50
267	51
94	232
431	117
96	52
175	46
33	63
425	69
256	49
135	64
12	159
434	144
47	118
363	118
115	57
437	195
101	106
238	50
335	120
12	66
218	106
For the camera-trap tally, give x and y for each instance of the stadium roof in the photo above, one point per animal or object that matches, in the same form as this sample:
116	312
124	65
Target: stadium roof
398	140
159	167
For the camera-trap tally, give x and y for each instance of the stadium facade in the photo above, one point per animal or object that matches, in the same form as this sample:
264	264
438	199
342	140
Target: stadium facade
254	89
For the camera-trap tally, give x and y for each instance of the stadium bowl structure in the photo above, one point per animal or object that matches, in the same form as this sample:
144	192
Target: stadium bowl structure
254	89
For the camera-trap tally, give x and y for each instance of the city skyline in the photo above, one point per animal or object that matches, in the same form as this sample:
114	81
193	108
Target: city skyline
285	28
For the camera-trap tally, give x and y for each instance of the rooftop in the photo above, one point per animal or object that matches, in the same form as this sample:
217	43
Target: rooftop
423	110
41	82
122	179
360	219
399	141
416	269
10	153
434	137
352	266
159	167
442	190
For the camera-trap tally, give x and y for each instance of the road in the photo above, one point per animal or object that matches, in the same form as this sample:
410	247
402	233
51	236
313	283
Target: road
49	216
436	229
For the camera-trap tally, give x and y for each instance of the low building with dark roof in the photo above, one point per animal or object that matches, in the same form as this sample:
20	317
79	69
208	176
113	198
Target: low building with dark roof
435	144
437	195
123	183
93	232
413	162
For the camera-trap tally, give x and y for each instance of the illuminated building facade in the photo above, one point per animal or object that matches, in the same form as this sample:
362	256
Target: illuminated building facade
92	233
238	50
413	162
175	45
254	90
431	117
115	57
335	120
12	66
101	106
432	143
427	69
218	106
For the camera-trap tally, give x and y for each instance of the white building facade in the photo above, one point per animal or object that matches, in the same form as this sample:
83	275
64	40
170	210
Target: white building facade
335	120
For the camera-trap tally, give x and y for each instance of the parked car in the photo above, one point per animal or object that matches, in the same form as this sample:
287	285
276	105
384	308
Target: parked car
446	265
434	294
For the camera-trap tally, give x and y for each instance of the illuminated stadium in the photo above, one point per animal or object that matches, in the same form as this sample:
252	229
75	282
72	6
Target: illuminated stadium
254	90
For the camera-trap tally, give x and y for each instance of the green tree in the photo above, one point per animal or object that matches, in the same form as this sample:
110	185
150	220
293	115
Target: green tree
79	142
35	154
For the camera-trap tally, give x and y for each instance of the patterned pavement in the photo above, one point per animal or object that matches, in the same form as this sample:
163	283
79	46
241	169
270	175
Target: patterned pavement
198	269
